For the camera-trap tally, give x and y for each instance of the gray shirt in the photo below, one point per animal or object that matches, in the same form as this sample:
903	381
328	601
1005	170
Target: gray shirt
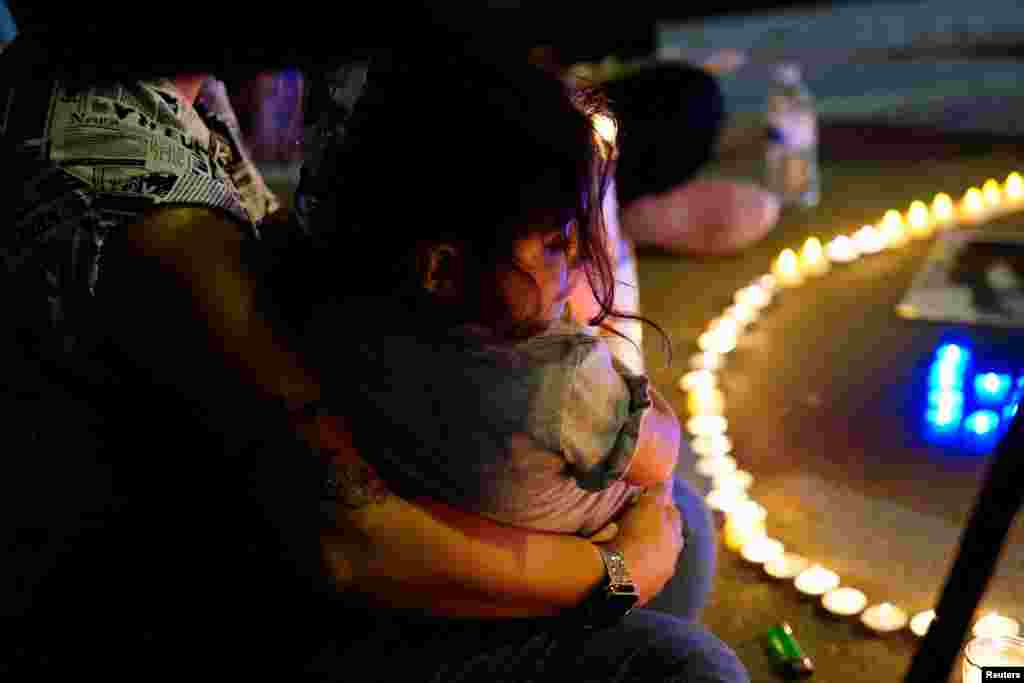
536	434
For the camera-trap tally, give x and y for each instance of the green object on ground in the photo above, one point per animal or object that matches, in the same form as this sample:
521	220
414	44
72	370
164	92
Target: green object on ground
786	652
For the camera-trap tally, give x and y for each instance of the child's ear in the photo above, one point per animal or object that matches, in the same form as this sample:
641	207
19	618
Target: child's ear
441	268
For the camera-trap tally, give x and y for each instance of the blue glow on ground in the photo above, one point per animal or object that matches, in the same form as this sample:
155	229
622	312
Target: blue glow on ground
992	387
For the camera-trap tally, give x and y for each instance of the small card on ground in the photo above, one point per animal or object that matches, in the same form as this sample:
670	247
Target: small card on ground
975	278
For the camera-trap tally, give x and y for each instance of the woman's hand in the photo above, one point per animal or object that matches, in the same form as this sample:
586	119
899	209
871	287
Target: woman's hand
650	536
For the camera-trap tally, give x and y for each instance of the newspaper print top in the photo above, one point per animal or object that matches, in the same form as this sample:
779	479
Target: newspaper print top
84	162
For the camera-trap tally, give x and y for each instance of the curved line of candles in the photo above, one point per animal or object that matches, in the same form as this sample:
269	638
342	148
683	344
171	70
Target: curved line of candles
745	529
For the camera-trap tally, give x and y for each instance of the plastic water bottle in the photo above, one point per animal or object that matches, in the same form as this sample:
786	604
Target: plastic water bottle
791	154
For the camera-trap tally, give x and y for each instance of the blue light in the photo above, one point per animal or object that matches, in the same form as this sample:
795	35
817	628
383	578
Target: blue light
946	375
945	417
946	399
992	387
982	422
952	353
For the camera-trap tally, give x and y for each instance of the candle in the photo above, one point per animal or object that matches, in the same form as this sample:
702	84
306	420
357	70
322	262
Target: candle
842	250
786	566
768	283
993	625
712	444
743	314
812	258
992	193
737	480
744	523
705	401
972	206
942	208
1014	187
844	602
724	325
869	240
707	360
725	500
698	378
893	230
787	269
918	220
715	466
884	618
1002	651
718	341
705	425
761	550
816	580
921	622
754	296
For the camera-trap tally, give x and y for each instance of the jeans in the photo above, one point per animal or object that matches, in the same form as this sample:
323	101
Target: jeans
660	643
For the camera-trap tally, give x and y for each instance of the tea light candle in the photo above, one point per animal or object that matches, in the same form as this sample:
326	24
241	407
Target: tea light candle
743	314
737	480
744	523
786	566
972	206
725	500
986	652
707	360
918	220
725	325
787	269
842	250
992	193
816	580
943	210
812	258
717	341
921	622
869	240
705	401
844	602
893	230
716	466
761	550
713	444
1014	187
754	296
994	625
696	379
884	618
705	425
768	283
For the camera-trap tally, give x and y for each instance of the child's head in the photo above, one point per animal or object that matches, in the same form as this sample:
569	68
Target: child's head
476	187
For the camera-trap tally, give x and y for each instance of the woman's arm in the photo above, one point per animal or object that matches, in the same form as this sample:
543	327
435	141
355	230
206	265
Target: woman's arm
186	265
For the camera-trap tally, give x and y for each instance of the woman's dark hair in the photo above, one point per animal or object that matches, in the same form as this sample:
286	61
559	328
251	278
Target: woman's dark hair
461	150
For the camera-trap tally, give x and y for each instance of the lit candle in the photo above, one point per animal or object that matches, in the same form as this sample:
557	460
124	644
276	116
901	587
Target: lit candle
992	193
884	618
844	602
786	566
761	550
698	378
744	523
712	444
869	240
754	296
787	269
943	210
972	206
812	258
816	580
921	621
724	325
719	341
705	401
893	230
715	466
737	480
842	250
705	425
986	652
768	283
743	314
1014	187
918	220
707	360
993	625
725	500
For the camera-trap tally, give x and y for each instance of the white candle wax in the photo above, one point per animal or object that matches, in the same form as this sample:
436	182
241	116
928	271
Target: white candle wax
884	618
707	360
921	622
706	425
842	250
716	466
816	580
786	566
712	444
844	602
761	550
725	500
994	625
738	480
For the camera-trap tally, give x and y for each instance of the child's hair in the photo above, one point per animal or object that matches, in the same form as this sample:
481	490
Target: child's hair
459	150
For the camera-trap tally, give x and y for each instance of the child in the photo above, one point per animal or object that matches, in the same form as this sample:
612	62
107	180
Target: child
469	201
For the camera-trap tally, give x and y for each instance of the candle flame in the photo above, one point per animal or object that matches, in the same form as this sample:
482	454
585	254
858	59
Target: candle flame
1014	186
942	207
974	201
992	193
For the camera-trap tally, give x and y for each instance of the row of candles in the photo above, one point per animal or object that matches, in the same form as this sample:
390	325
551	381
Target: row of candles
745	529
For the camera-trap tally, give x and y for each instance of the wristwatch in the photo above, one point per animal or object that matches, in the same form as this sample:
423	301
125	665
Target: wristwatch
615	597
